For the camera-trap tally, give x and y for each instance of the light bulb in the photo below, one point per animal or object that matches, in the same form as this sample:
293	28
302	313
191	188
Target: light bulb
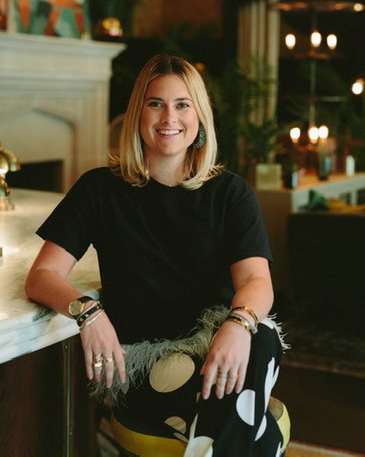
358	86
358	7
323	132
290	40
313	134
295	134
316	39
332	41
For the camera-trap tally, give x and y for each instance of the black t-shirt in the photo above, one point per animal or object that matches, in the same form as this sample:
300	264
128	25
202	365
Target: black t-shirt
164	252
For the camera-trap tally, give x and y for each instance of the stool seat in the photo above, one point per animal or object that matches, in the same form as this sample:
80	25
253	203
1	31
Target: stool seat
144	445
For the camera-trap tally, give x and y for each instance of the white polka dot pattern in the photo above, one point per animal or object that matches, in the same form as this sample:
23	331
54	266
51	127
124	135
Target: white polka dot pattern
180	437
261	429
278	451
269	381
200	446
245	406
177	423
171	372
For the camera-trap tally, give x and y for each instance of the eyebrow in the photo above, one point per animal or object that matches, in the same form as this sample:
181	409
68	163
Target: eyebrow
176	99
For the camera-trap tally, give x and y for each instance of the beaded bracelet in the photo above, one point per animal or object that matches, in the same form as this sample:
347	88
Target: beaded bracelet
254	329
86	323
240	322
250	311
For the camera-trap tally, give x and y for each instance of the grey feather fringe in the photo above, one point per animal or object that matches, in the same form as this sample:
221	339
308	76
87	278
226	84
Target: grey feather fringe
141	357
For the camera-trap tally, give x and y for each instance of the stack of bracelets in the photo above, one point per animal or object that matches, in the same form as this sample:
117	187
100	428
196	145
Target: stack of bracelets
242	320
81	320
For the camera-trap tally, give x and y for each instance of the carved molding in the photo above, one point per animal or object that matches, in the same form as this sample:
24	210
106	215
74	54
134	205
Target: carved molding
56	80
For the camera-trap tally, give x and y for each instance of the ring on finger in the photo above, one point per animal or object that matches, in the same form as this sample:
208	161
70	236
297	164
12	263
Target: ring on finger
109	359
97	358
98	364
222	374
232	378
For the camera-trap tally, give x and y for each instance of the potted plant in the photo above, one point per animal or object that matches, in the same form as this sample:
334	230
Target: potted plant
260	147
246	145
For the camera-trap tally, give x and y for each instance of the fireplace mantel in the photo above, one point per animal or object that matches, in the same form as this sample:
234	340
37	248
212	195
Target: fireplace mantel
54	97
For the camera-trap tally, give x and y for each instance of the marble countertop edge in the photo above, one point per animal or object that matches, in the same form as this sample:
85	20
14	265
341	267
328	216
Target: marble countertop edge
39	342
37	313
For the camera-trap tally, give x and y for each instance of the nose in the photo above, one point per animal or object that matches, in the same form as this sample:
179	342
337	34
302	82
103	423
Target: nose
168	116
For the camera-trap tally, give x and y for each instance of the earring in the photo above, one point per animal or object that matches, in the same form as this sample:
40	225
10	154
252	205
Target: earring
201	137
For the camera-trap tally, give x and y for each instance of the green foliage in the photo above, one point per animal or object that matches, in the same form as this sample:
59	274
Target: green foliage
261	140
237	97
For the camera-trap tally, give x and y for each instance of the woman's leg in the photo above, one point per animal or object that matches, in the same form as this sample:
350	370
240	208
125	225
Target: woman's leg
167	403
240	424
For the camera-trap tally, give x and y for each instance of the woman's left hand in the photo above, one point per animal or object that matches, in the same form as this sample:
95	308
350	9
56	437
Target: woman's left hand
227	360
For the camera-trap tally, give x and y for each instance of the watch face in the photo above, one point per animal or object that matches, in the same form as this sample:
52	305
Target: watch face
76	307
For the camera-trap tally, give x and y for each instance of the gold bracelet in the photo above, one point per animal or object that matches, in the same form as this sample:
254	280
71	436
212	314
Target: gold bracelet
240	322
90	321
250	311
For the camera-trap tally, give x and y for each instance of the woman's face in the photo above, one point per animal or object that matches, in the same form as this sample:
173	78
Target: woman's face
169	122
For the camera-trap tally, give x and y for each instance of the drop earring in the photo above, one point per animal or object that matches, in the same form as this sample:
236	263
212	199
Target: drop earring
199	141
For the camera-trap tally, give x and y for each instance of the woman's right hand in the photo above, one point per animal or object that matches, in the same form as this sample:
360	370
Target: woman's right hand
100	338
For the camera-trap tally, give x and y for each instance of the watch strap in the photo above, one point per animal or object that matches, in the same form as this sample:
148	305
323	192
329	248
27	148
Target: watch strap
85	298
93	308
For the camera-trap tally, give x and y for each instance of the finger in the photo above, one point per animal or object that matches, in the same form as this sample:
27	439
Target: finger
208	381
231	382
89	363
241	379
98	365
120	363
221	382
109	370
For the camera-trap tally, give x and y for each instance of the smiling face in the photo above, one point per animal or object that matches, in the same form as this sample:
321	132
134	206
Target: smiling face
169	122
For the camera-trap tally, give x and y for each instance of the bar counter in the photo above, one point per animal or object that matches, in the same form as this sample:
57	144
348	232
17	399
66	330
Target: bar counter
44	398
24	325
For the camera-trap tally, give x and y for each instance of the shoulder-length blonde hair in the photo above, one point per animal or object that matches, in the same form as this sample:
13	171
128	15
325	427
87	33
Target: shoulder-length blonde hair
200	164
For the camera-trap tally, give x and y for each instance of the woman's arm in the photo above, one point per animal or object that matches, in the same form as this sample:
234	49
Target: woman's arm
47	284
230	349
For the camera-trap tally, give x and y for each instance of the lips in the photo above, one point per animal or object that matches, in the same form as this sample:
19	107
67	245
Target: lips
168	132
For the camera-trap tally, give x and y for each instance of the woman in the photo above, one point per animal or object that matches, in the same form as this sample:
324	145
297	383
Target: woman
177	238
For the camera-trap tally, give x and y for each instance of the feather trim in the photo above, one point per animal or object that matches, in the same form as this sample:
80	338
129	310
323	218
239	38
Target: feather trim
141	357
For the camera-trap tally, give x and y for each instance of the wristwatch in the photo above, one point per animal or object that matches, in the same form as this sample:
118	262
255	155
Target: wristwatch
76	307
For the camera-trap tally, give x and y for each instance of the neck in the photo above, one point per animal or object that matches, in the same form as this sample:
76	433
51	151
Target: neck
166	171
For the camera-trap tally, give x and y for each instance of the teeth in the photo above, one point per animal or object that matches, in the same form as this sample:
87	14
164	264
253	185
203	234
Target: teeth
168	132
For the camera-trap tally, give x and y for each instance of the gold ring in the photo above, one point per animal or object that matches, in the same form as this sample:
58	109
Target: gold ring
98	364
108	359
98	358
233	378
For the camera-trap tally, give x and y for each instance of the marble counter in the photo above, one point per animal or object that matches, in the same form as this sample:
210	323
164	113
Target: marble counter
24	325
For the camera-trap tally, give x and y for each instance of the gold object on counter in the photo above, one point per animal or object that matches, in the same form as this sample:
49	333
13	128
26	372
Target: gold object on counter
8	162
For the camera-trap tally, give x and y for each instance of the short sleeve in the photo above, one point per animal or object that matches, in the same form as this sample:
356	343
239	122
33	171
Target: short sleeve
245	233
70	224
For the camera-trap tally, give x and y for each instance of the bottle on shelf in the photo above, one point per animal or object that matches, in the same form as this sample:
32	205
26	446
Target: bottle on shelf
350	165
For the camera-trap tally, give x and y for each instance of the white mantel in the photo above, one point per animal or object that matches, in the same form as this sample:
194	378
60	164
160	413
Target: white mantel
54	100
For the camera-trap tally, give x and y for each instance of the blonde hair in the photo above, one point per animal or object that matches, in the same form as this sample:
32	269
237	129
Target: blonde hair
200	164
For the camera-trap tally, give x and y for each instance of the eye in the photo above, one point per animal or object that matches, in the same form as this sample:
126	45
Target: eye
183	105
155	104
